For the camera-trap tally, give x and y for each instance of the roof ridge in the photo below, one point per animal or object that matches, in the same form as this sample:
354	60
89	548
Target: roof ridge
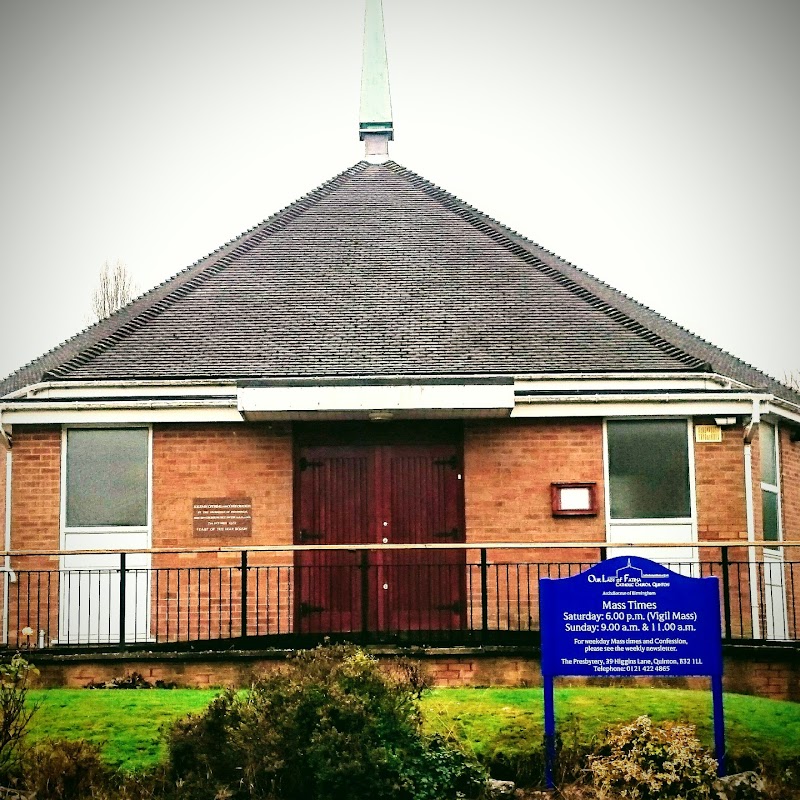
505	236
188	279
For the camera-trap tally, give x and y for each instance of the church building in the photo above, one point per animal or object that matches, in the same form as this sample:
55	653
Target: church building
381	415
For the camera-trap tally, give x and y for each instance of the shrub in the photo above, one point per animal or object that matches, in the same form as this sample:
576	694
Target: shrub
15	712
200	749
332	725
65	770
642	761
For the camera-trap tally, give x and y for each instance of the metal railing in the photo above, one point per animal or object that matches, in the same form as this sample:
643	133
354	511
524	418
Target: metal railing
426	594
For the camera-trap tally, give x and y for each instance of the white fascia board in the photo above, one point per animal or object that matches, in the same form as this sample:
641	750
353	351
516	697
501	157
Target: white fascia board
98	389
275	402
643	406
120	412
782	410
622	382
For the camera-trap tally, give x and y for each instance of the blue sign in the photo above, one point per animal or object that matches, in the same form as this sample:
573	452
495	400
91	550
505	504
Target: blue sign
630	617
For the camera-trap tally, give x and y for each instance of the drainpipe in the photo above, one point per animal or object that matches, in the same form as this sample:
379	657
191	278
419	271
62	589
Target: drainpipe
749	432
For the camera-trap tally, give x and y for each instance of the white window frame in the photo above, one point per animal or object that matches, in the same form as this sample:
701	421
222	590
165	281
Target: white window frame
772	488
692	518
774	579
122	537
687	557
106	529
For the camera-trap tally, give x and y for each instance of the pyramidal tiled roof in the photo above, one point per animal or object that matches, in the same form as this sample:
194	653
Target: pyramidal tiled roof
378	273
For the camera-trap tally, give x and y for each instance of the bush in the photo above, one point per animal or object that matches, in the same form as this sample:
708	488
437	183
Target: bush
15	713
332	725
65	770
642	761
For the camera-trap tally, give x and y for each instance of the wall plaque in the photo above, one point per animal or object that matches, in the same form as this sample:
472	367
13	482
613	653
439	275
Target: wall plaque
573	499
222	516
708	433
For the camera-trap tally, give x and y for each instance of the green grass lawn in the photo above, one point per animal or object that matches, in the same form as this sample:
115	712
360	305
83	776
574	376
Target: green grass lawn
506	725
503	724
126	724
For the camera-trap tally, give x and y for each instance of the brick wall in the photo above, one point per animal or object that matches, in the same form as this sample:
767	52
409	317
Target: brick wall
766	671
790	488
219	461
188	461
35	525
224	460
790	509
719	481
509	466
722	515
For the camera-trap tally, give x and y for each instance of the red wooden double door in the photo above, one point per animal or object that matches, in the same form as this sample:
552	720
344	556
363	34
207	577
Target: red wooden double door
388	491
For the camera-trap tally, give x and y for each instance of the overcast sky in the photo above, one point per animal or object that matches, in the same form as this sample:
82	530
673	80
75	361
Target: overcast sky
653	144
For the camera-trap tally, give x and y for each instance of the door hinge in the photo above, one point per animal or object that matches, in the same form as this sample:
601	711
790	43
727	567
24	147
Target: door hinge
306	536
451	534
455	608
304	464
451	462
308	608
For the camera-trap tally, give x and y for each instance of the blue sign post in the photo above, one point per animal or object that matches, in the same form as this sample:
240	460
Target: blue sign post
630	617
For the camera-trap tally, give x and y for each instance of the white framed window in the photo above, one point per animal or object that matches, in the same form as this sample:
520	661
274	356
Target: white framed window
770	482
650	493
648	469
106	491
106	478
774	579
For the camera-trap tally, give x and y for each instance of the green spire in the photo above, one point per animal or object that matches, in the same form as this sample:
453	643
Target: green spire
375	120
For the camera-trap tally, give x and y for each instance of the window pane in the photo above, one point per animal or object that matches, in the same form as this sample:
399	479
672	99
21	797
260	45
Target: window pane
769	506
106	477
769	461
648	466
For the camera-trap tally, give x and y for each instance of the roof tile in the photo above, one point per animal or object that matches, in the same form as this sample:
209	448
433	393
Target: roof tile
379	272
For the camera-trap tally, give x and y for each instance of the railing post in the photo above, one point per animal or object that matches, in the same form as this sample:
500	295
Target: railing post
123	581
244	592
484	591
364	591
726	593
